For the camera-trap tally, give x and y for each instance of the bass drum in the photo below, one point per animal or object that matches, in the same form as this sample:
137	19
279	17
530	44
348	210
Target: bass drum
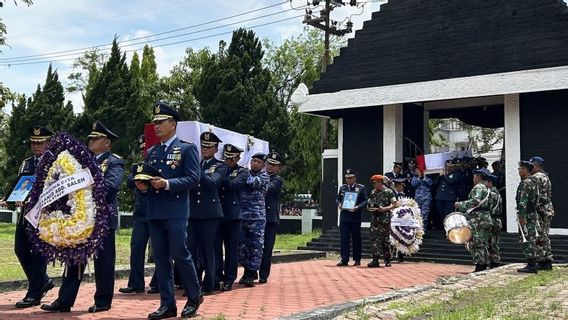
457	228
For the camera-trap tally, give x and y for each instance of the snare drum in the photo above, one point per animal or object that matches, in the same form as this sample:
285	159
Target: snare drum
457	228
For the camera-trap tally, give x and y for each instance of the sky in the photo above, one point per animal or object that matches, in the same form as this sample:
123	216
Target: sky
50	26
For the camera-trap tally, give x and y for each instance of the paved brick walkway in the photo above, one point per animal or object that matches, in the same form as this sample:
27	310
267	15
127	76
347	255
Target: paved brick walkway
292	288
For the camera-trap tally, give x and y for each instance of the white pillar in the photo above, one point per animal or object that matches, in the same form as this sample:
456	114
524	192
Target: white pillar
392	135
512	156
339	157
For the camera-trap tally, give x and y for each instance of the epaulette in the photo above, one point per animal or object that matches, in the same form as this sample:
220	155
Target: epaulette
185	141
116	155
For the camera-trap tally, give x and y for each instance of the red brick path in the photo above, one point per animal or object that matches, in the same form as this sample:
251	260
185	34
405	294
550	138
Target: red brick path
292	288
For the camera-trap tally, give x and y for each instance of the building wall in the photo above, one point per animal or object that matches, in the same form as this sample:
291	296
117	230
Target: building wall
544	132
413	129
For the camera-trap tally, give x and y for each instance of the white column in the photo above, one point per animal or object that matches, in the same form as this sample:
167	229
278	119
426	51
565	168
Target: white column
426	132
512	157
392	135
339	157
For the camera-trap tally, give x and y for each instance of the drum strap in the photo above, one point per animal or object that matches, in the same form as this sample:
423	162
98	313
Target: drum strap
482	202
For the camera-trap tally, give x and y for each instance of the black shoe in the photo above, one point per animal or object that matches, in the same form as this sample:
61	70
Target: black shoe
130	290
374	264
531	267
27	302
254	275
387	263
217	287
153	290
163	313
191	307
95	308
480	267
205	293
248	282
342	264
494	265
227	287
48	286
545	265
261	280
357	263
55	306
400	257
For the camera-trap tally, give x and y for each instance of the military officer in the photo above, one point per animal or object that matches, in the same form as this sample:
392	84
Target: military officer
350	219
33	264
380	204
230	226
168	211
545	211
399	187
409	189
495	205
254	219
527	200
423	194
477	211
396	171
446	191
206	209
140	231
273	166
112	167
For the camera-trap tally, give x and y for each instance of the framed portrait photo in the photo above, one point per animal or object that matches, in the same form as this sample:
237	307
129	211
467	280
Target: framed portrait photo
22	189
349	200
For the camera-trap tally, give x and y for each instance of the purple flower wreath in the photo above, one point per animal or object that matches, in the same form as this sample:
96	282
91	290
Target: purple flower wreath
79	253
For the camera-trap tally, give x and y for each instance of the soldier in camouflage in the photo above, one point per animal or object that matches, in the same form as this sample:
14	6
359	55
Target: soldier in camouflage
527	198
545	212
495	205
381	201
253	222
477	211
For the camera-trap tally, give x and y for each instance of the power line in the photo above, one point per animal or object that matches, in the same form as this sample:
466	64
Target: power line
158	46
143	37
122	45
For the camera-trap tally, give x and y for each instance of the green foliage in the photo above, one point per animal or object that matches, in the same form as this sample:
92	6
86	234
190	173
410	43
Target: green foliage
3	29
85	70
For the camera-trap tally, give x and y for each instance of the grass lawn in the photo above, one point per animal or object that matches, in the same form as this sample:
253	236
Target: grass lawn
10	267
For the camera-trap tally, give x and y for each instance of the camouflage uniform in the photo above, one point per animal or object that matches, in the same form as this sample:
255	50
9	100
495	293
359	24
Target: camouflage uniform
526	209
495	205
380	223
254	220
545	212
479	220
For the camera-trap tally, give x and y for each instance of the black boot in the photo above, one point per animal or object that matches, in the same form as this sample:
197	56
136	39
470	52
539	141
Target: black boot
248	278
374	264
531	267
494	265
400	257
480	267
387	263
545	265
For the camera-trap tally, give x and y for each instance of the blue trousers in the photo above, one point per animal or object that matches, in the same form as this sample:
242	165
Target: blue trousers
251	244
228	238
269	239
424	204
138	243
33	264
201	244
104	276
169	238
350	231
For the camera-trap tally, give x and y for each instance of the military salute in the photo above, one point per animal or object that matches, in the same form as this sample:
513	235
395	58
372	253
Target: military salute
34	265
273	165
205	211
230	226
168	211
112	167
350	219
254	219
545	212
380	204
527	199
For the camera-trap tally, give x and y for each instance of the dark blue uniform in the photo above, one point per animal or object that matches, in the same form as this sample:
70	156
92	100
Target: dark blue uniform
350	222
168	213
112	167
446	193
272	219
34	265
204	218
230	226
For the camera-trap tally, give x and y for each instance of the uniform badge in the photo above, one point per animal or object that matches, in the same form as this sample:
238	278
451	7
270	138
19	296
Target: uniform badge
229	148
37	131
206	136
140	167
94	126
173	166
168	162
356	189
104	166
234	173
157	109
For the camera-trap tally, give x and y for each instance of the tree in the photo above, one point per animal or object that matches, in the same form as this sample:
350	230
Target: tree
85	70
235	92
3	29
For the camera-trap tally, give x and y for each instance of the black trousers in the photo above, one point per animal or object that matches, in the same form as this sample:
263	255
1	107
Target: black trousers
269	239
34	265
228	238
201	244
350	231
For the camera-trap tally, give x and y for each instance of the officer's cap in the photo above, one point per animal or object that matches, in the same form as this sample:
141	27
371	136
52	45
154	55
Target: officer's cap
491	177
411	162
141	141
537	159
349	173
40	134
259	155
484	172
162	111
398	164
399	180
526	164
145	172
209	139
231	151
456	161
275	158
377	178
99	130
